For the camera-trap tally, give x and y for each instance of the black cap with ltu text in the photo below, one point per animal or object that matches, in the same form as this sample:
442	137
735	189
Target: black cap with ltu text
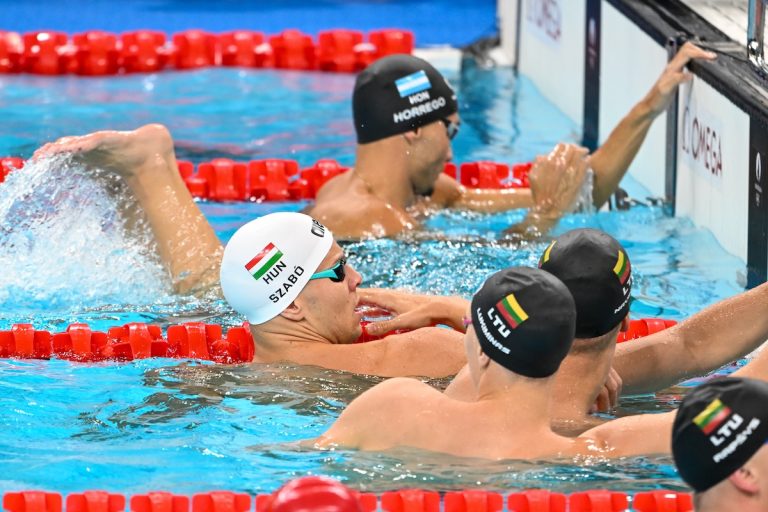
596	269
718	428
399	93
524	319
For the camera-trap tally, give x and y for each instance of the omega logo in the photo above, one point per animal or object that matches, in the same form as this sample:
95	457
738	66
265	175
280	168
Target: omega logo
702	143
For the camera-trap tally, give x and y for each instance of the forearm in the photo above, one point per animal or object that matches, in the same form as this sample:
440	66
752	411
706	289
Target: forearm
709	339
611	160
186	242
494	200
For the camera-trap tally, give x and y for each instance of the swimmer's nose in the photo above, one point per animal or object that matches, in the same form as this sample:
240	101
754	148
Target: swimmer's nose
355	279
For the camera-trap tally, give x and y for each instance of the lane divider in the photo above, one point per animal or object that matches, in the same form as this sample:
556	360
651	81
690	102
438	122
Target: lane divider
322	493
274	179
191	340
99	53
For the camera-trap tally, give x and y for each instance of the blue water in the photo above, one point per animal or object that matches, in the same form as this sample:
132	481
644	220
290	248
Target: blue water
187	427
461	21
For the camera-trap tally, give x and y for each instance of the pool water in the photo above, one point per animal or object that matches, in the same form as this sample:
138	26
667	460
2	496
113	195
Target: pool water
188	427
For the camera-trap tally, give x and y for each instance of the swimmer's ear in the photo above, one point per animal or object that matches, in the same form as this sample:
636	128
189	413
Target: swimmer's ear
745	480
411	136
482	359
293	312
625	324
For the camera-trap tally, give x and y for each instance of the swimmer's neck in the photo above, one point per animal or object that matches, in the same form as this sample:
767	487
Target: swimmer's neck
577	384
275	338
382	166
521	401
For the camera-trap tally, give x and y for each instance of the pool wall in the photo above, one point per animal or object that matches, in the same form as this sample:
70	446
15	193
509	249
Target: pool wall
705	154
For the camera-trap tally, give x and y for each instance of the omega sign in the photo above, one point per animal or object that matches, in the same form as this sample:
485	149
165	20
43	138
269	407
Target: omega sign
701	141
545	17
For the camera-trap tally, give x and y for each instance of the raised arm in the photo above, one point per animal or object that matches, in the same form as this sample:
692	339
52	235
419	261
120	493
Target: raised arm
145	160
706	341
611	160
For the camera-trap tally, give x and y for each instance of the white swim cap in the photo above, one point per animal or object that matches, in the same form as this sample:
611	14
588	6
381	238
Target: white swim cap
269	261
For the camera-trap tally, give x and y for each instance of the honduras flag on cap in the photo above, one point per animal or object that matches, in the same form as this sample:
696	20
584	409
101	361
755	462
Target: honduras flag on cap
413	83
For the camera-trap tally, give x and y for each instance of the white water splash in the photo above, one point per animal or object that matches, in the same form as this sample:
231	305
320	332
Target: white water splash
63	241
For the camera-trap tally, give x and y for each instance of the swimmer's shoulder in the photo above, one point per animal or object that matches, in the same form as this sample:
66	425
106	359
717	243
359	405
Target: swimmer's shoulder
356	218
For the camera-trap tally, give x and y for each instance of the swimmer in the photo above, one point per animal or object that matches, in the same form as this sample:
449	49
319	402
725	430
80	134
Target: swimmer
284	273
597	370
404	140
144	159
723	478
520	326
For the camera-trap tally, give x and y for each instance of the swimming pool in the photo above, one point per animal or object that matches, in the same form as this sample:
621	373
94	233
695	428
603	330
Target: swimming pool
188	427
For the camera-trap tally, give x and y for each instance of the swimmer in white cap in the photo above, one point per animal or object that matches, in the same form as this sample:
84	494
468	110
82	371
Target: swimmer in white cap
375	199
284	273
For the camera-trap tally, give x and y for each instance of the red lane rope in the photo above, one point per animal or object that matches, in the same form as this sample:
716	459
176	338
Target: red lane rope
98	53
222	179
322	493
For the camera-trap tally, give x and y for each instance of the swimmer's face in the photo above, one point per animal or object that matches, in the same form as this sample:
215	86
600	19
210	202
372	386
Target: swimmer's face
430	151
330	306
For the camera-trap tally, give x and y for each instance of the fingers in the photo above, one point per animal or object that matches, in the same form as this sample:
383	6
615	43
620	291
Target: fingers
602	403
616	385
381	327
688	52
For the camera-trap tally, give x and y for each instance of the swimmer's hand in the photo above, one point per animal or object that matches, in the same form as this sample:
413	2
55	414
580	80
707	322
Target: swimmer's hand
412	311
122	153
608	398
556	181
674	74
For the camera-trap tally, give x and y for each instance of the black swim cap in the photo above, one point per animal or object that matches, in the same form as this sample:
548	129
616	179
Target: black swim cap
397	94
596	269
720	425
524	319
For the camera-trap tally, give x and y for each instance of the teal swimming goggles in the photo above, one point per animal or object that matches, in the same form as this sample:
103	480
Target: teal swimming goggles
336	273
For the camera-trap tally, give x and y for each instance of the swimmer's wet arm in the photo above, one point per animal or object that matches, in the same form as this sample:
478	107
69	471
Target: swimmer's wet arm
450	194
641	434
611	160
756	368
717	335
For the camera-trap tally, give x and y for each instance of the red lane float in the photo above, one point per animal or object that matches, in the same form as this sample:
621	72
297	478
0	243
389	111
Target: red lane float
45	53
96	53
644	327
391	41
144	51
293	49
195	49
662	501
322	493
99	53
244	48
95	501
338	50
473	501
132	341
598	501
11	51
